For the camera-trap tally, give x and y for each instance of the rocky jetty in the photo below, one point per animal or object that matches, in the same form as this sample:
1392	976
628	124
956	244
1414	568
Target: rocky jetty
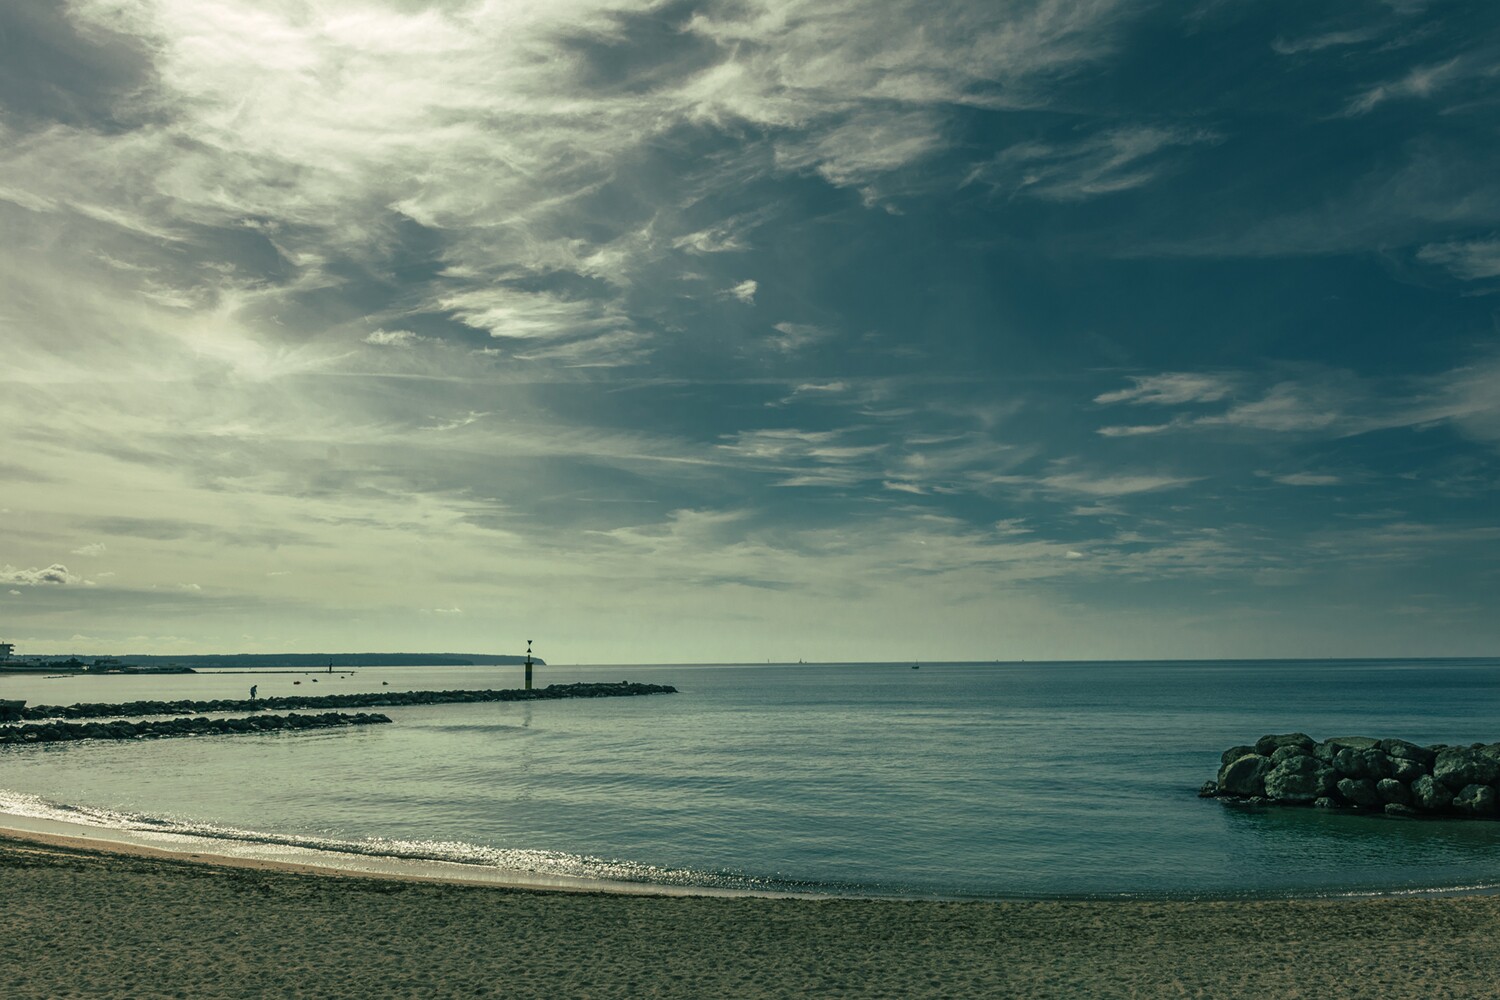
1358	772
369	700
59	732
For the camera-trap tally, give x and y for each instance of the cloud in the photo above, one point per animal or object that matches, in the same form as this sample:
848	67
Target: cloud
1305	479
393	338
1471	260
1137	430
1319	403
453	424
794	337
868	85
1287	407
1329	39
1468	398
828	392
92	549
1419	83
518	314
782	445
1115	160
745	291
54	574
608	350
1327	403
1169	388
857	152
1110	485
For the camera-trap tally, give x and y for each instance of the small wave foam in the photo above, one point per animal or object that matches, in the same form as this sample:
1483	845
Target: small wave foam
546	864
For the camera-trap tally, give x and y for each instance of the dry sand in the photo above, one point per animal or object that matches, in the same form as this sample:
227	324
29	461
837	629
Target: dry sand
87	923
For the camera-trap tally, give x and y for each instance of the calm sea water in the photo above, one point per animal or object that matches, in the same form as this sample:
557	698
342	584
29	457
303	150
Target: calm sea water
971	780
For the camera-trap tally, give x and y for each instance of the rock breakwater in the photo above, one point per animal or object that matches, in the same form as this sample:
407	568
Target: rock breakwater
376	699
1392	776
59	732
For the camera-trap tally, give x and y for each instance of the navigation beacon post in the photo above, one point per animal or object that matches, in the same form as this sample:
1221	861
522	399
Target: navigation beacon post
528	664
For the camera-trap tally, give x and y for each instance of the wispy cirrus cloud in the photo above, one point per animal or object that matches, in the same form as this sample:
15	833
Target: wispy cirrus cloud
1286	46
1103	484
1112	161
1471	260
793	337
1330	403
1321	403
1169	389
1304	478
1419	83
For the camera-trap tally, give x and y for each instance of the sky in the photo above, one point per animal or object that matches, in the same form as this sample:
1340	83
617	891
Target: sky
748	330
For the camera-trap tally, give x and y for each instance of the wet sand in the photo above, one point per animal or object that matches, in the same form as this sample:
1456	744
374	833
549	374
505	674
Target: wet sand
77	921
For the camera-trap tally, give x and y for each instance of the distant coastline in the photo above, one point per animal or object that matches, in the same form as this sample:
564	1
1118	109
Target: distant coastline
310	660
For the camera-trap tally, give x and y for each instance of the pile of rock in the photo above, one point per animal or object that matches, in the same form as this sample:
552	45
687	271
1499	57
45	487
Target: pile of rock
57	732
1357	772
616	689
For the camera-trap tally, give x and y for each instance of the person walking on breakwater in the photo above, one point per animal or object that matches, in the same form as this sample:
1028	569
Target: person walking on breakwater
253	689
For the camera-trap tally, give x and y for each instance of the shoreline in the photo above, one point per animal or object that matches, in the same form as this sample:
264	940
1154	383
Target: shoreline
182	848
82	921
261	855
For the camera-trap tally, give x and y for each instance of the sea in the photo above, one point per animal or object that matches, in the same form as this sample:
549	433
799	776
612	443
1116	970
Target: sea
948	781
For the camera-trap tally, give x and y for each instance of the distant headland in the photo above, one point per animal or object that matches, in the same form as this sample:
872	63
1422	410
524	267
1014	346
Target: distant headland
250	661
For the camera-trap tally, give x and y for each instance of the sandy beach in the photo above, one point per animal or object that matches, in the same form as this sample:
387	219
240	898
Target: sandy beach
79	921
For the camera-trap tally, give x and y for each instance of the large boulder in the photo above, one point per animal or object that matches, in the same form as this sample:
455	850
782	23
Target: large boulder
1359	792
1299	779
1406	750
1430	795
1233	754
1458	767
1370	763
1245	776
1391	790
1291	751
1405	770
1476	800
1267	745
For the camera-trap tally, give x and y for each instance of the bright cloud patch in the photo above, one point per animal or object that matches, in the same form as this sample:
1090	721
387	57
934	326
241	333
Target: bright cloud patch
54	574
392	338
